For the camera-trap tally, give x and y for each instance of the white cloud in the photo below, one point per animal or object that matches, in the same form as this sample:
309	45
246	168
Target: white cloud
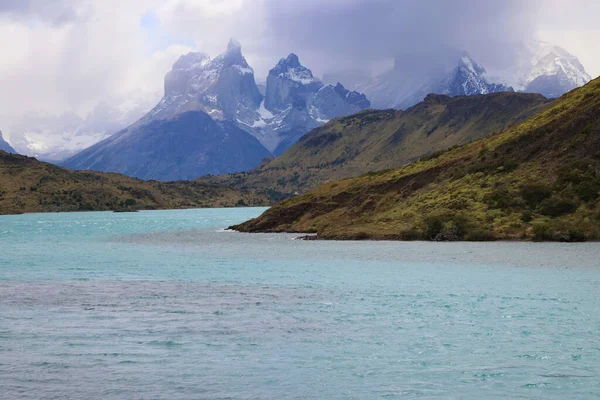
72	54
74	65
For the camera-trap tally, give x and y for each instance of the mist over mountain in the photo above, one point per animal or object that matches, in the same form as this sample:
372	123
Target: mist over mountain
56	137
552	71
292	102
4	146
535	67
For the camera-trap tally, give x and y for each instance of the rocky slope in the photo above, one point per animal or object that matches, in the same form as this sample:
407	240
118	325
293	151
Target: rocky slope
296	102
223	87
182	147
28	185
192	131
377	140
537	180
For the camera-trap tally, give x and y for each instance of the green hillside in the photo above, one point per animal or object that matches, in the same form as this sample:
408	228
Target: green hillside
377	140
28	185
537	180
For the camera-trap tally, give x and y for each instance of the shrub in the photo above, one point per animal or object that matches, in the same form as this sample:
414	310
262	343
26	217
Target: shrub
509	164
502	198
588	190
541	230
556	207
575	236
526	216
433	227
576	172
534	193
479	235
446	226
411	234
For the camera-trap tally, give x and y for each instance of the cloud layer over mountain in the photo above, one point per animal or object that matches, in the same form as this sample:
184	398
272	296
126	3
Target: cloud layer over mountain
73	54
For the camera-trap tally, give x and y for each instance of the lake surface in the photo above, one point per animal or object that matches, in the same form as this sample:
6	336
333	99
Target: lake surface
167	305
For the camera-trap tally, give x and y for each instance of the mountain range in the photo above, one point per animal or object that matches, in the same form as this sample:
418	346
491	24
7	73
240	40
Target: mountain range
376	140
539	67
537	180
213	119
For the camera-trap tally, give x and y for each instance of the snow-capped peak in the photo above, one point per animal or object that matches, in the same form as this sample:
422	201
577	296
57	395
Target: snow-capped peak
467	62
192	61
548	60
222	87
291	68
469	78
291	61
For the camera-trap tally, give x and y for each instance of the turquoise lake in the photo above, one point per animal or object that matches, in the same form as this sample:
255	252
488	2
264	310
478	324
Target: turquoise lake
169	305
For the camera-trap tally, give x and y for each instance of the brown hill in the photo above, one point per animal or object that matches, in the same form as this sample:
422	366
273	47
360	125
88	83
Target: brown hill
377	140
538	180
28	185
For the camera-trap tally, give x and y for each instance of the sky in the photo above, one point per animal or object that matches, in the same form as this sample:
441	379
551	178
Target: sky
70	55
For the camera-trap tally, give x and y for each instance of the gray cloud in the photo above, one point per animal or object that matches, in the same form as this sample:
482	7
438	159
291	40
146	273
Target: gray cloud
55	12
415	32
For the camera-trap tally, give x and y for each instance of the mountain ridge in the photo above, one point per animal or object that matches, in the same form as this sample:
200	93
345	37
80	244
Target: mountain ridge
539	67
224	89
538	180
28	185
375	140
183	147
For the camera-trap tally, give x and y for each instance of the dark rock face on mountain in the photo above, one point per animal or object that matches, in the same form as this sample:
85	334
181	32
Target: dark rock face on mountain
337	101
296	102
287	82
551	86
183	147
4	146
295	122
194	130
223	87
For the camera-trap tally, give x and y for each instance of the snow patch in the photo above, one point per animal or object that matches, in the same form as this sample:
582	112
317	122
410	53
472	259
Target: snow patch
263	112
244	70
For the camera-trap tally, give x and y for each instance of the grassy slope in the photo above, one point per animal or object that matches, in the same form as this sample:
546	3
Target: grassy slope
538	180
378	140
28	185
